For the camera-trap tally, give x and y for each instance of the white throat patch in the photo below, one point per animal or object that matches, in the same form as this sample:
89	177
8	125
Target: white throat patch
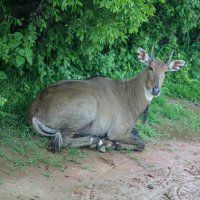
148	94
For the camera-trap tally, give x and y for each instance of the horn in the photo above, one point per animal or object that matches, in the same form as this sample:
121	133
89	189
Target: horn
152	53
170	57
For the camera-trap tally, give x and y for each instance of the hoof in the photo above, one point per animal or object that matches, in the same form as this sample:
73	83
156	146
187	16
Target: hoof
97	144
138	140
116	146
139	147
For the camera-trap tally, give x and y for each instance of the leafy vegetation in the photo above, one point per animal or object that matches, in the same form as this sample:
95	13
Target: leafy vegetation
171	118
48	40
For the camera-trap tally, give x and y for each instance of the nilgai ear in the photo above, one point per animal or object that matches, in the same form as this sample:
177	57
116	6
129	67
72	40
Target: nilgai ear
143	56
176	65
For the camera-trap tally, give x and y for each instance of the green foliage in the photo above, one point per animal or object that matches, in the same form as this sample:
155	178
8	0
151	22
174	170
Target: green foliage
62	39
147	132
59	39
189	90
2	101
3	75
74	155
173	117
173	111
48	174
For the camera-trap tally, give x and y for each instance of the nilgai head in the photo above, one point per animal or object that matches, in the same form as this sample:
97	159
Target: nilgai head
156	70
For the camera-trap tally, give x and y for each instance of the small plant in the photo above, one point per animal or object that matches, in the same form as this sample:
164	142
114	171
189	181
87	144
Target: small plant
20	163
3	100
21	149
147	132
1	181
74	155
136	158
3	75
197	177
173	111
87	167
126	151
48	174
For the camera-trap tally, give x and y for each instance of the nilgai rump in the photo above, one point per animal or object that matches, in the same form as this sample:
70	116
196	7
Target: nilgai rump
99	107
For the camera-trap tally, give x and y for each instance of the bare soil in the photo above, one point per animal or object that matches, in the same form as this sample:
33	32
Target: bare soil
167	170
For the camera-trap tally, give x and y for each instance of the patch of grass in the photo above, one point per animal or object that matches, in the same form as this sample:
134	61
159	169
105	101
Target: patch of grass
25	149
1	181
188	124
109	149
48	174
156	104
187	90
171	118
197	177
147	132
173	112
136	158
126	151
74	155
87	167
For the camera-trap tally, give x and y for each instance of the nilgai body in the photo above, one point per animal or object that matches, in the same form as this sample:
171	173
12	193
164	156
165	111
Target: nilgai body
99	107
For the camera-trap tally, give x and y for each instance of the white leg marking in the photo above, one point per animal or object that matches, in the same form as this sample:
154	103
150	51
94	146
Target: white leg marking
91	140
100	143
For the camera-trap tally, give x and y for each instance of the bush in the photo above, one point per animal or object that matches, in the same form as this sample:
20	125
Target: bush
68	39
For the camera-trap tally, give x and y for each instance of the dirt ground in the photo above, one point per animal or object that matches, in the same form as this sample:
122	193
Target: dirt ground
168	170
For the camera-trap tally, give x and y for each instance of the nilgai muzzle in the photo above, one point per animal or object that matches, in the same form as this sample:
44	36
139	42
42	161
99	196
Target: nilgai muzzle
99	107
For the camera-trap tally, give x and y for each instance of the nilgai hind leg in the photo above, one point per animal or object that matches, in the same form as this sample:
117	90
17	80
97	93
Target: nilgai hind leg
67	141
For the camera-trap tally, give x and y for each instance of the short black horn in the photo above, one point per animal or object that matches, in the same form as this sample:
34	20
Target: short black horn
170	57
152	53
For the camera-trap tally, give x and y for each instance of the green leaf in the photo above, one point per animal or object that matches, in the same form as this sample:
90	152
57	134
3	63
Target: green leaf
18	35
29	60
3	75
2	101
20	60
21	52
15	43
29	55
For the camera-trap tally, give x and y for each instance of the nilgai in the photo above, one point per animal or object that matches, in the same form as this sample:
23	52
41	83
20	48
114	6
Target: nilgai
99	107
